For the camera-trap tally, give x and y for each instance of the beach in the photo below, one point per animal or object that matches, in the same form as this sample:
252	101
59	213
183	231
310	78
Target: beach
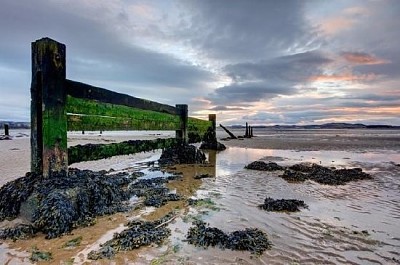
356	223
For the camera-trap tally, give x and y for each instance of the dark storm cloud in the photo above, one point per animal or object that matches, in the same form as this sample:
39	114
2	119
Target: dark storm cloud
256	81
232	30
95	52
247	92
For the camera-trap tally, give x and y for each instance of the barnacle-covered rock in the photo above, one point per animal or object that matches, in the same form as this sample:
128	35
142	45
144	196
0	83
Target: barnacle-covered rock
182	154
250	239
291	205
323	175
210	141
263	166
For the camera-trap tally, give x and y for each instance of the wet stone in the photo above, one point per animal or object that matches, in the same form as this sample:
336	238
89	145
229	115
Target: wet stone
210	141
250	239
282	205
263	166
61	202
181	154
323	175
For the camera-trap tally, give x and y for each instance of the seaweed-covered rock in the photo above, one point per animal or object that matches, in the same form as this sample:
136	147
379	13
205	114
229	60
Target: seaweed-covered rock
261	165
138	233
323	175
210	141
13	193
273	205
204	236
182	154
60	202
21	231
250	239
153	191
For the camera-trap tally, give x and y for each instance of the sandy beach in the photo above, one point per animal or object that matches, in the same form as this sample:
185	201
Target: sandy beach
328	232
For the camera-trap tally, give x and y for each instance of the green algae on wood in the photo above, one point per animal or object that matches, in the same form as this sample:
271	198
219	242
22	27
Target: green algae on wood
90	152
48	116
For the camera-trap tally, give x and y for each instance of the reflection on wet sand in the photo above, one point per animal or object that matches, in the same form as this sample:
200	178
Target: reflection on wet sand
351	224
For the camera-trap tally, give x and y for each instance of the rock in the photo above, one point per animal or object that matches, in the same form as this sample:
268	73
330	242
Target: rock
181	154
213	146
282	205
261	165
210	141
250	239
323	175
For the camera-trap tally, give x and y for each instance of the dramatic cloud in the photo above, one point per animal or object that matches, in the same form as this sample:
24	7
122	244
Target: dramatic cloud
263	61
362	58
225	108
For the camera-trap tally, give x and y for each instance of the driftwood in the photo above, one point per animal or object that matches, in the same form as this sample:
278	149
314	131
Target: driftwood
228	132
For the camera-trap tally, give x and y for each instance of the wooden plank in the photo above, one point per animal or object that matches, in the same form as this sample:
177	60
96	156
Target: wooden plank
99	123
48	116
85	91
90	152
182	132
93	115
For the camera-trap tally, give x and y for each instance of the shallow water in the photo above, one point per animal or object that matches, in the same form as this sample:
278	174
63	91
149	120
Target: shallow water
355	223
328	232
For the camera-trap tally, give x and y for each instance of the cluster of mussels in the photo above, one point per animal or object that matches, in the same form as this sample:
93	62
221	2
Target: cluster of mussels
138	233
250	239
153	190
210	142
317	173
263	166
181	154
281	205
57	204
323	175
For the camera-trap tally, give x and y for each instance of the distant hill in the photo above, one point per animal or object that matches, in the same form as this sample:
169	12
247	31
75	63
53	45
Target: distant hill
323	126
15	124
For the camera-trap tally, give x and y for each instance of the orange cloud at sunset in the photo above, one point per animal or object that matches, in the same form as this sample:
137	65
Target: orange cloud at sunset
362	58
344	77
336	24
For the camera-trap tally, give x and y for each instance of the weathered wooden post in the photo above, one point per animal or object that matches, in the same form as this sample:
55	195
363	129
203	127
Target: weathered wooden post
213	119
49	153
182	133
6	130
246	134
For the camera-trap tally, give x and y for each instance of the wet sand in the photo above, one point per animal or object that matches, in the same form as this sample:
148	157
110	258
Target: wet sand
329	232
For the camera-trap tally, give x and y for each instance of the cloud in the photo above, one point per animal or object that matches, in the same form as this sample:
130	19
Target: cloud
267	79
362	58
97	52
226	108
247	29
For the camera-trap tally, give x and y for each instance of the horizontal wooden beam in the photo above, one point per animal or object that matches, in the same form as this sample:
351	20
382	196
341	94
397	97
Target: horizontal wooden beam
90	152
100	123
85	91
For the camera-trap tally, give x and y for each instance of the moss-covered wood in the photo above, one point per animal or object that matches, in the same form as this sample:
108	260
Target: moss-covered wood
92	115
90	152
48	116
84	91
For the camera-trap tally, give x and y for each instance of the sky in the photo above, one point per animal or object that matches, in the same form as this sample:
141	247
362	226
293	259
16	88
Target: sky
259	61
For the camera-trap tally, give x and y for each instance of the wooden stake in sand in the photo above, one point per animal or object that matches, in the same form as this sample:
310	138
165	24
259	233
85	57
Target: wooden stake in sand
48	116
